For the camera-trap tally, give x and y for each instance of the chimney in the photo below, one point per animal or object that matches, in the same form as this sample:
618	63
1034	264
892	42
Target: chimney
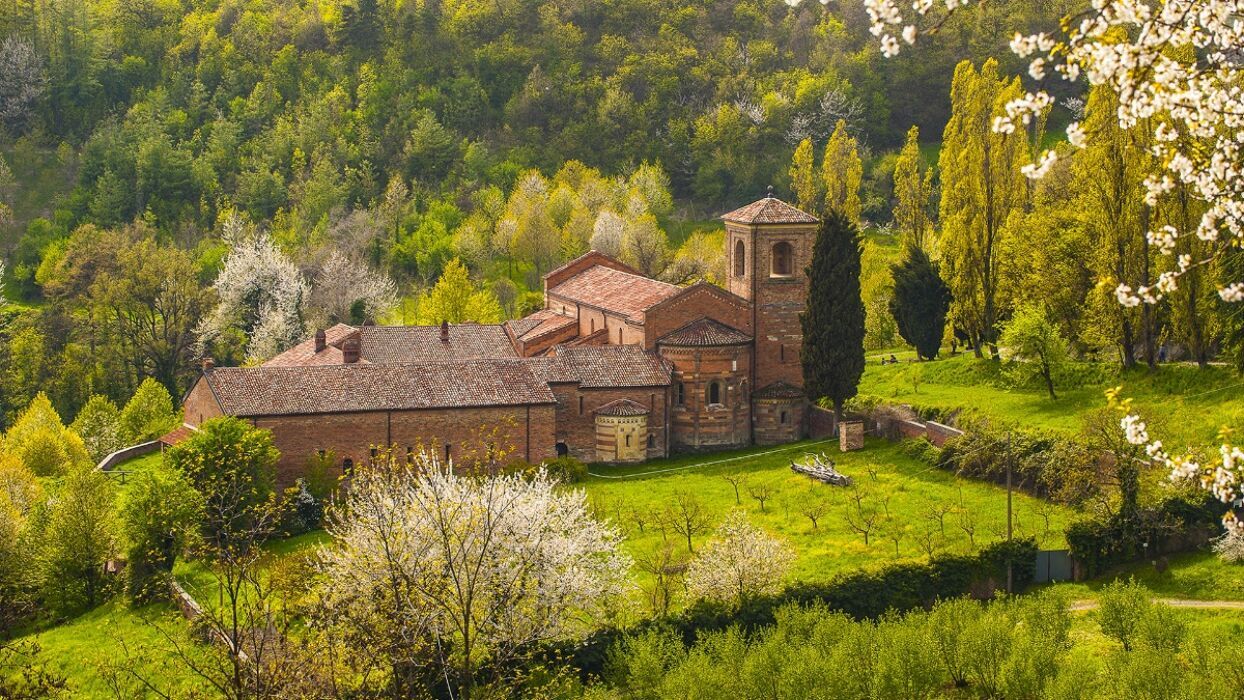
321	340
350	351
208	363
444	331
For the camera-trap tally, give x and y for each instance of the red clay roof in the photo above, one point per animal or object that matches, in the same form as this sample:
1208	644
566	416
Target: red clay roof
271	391
177	435
304	355
622	407
604	366
705	332
406	344
614	290
769	210
539	323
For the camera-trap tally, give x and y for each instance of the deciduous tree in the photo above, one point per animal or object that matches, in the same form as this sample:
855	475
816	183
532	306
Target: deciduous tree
739	562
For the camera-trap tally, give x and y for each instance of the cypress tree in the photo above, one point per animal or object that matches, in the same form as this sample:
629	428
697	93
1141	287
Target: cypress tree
920	302
833	320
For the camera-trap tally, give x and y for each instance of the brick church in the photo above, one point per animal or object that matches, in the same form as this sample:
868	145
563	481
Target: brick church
617	367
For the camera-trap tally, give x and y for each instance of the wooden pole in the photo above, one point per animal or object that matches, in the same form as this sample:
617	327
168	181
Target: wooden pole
1010	579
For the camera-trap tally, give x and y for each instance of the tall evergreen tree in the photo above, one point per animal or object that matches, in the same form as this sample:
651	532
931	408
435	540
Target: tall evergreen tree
920	302
833	322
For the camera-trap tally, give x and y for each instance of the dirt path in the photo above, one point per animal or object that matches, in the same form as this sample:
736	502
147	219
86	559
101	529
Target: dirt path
1079	605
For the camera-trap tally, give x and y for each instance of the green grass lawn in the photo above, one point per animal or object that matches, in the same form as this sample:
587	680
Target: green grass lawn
102	653
1185	406
881	472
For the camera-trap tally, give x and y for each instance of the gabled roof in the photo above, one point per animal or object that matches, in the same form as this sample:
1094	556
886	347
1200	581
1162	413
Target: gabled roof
304	355
537	324
621	292
778	390
604	366
404	344
769	210
705	332
622	407
273	391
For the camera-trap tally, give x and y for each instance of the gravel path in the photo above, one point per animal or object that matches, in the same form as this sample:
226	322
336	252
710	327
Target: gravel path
1174	603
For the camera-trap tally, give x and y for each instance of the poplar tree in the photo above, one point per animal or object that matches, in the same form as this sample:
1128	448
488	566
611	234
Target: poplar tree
833	323
920	302
841	172
982	184
1110	175
913	186
803	179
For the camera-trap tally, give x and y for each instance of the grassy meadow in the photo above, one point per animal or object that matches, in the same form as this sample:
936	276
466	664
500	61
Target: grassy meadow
905	495
1184	406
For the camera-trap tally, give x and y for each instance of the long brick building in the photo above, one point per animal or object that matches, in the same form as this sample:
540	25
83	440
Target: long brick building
616	367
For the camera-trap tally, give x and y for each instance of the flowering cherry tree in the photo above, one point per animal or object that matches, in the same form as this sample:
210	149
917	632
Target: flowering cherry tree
467	571
261	293
1176	68
738	562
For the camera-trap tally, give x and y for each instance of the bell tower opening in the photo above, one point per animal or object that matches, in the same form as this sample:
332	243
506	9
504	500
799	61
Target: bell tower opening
740	259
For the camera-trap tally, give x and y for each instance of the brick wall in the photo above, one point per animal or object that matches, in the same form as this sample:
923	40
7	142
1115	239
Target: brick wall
696	302
820	422
526	432
938	434
576	418
768	426
697	425
200	404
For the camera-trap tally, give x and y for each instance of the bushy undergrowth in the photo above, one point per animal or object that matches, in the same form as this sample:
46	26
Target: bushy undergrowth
1013	648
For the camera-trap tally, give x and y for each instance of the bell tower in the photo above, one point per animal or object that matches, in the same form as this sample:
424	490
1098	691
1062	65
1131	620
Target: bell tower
769	247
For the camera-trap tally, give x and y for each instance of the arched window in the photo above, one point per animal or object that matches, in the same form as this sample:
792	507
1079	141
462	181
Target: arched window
714	392
740	259
784	419
782	263
652	441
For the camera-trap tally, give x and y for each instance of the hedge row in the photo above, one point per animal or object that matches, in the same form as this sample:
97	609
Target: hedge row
1179	522
863	594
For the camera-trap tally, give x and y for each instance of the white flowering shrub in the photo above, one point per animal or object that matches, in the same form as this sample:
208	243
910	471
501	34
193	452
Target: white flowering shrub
261	292
485	566
1230	547
740	561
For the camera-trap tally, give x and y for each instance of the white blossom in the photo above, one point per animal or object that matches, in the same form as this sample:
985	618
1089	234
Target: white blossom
261	293
487	565
738	562
343	283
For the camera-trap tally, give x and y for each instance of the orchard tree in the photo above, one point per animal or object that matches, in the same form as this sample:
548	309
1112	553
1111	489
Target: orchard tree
467	574
842	172
920	302
833	324
739	562
1037	349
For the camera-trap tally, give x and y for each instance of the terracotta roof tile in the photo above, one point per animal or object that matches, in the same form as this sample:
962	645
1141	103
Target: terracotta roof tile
705	332
614	290
177	435
769	210
269	391
404	344
304	355
539	323
622	407
778	390
601	366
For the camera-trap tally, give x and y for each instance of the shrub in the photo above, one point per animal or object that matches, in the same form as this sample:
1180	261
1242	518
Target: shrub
159	515
1230	547
567	470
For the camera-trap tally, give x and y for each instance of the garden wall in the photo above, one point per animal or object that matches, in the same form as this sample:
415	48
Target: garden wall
122	455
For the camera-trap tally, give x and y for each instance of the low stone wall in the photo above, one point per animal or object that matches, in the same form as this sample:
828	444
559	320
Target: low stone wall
820	423
122	455
938	434
899	423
